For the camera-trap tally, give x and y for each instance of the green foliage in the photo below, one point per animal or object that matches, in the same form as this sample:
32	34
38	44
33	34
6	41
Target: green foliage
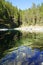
11	17
14	17
33	15
8	14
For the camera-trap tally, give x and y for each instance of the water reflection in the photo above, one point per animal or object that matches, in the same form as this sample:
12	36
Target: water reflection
34	40
14	38
9	39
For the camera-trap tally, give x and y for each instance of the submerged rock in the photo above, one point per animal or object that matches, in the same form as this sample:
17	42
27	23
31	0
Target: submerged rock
23	56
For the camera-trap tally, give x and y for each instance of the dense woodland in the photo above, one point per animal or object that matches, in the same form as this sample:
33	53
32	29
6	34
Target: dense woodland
12	17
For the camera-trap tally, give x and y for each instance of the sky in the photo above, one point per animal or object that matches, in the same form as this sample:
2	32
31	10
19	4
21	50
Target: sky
25	4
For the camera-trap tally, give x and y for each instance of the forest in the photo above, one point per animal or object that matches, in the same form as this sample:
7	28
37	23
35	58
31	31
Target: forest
11	17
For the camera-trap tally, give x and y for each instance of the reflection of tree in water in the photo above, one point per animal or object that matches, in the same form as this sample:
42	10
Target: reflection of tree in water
8	39
38	40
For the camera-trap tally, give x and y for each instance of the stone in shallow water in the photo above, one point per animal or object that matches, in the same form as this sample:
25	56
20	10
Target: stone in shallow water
42	63
23	56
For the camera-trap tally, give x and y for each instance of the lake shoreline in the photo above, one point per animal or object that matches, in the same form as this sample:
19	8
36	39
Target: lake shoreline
30	28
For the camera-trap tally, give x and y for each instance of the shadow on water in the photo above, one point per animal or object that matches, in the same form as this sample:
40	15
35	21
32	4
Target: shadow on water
9	39
14	38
